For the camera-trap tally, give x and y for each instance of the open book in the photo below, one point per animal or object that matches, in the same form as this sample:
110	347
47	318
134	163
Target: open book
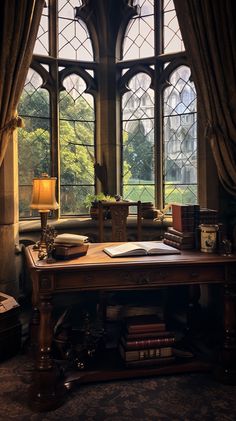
140	248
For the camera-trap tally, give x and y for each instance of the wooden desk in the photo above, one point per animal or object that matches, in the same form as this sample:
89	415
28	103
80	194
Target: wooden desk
98	272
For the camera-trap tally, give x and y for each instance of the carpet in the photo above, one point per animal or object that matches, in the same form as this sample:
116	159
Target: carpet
185	397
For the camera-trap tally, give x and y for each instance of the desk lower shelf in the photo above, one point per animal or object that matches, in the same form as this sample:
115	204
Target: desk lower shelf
112	368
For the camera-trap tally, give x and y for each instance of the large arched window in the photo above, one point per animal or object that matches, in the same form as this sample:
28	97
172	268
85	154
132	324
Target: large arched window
109	105
59	111
159	137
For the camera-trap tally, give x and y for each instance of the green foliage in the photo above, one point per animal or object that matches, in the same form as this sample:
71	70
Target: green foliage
34	154
138	153
76	163
76	147
182	194
34	104
93	198
139	192
78	109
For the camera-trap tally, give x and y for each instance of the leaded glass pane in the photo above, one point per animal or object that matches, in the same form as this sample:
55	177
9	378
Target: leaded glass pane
139	37
42	42
171	34
73	38
180	139
33	139
76	145
145	7
138	140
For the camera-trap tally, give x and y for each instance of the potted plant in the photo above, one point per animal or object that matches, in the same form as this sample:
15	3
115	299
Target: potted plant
91	202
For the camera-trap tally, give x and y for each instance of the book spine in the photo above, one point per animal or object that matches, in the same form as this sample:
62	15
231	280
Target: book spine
177	245
178	239
147	335
143	354
208	216
147	343
184	234
153	327
172	243
186	224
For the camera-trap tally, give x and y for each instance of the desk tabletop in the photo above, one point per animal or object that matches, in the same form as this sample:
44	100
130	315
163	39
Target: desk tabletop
96	257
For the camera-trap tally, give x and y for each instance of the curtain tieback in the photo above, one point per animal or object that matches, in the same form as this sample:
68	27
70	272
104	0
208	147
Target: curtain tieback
12	124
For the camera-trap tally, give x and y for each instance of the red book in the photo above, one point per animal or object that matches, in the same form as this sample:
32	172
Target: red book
141	323
183	217
147	343
143	335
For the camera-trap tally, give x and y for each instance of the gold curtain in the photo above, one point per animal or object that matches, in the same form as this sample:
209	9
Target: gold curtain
209	34
19	22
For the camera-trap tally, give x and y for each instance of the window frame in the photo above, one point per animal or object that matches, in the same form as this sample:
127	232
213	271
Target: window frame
52	81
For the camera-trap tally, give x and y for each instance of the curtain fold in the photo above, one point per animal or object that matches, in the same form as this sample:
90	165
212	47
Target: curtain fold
209	34
19	22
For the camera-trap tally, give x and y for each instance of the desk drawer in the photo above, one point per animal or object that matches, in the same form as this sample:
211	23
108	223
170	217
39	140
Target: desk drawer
115	279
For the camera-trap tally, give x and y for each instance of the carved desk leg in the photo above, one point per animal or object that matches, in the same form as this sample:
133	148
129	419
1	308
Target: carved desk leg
193	311
227	370
34	330
47	391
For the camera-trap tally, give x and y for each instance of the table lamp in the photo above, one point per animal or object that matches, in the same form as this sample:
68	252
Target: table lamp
44	200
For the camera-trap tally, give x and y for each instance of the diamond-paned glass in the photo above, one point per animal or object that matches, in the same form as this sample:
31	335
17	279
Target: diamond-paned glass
42	40
73	38
172	37
77	150
33	139
139	37
180	138
138	140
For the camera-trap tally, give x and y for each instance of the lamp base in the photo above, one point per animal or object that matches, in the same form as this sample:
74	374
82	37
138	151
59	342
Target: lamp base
41	244
36	245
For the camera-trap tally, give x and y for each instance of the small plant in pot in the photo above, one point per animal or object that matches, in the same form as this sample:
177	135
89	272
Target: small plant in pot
91	202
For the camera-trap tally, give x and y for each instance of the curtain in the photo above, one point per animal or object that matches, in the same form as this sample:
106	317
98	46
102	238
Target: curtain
19	22
209	34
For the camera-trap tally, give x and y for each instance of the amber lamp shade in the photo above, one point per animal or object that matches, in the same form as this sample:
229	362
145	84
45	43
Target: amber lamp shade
44	200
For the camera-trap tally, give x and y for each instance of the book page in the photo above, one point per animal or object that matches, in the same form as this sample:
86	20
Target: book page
140	248
126	249
157	247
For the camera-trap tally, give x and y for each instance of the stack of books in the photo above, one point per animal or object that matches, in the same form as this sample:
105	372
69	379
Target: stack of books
145	341
185	221
182	240
70	246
